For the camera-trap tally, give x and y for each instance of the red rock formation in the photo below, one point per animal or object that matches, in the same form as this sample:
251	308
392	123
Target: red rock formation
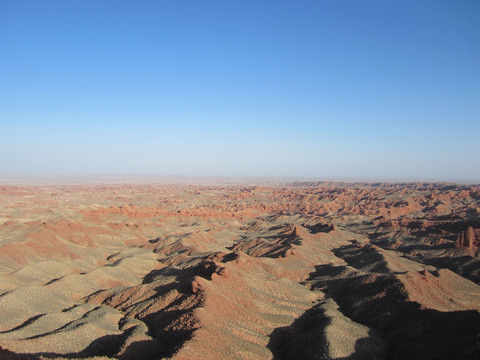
469	239
188	272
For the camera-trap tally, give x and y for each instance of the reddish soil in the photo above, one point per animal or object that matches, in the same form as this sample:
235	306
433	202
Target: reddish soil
292	271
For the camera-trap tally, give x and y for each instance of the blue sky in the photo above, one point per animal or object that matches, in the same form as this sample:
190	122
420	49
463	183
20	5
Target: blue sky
345	90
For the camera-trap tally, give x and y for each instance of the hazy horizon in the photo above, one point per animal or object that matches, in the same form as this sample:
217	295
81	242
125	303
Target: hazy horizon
336	91
91	179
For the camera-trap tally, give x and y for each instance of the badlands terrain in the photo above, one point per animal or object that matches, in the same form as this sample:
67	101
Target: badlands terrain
291	271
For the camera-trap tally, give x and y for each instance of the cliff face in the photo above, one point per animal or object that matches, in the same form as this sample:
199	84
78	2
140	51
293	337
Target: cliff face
470	240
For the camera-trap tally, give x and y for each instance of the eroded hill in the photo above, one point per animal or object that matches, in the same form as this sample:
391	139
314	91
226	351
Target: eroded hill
306	270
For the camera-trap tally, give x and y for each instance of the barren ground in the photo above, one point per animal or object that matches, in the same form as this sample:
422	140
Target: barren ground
292	271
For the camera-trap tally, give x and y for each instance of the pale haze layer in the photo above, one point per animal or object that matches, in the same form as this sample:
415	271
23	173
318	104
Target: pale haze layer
344	90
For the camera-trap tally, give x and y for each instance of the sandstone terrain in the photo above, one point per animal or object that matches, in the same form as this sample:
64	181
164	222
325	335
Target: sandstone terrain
313	270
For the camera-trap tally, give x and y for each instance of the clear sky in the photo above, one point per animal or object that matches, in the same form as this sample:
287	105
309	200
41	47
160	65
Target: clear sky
368	90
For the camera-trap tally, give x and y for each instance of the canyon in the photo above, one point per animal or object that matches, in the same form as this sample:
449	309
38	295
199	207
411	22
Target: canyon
292	270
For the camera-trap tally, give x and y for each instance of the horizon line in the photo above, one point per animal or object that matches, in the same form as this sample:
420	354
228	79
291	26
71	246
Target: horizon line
68	179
